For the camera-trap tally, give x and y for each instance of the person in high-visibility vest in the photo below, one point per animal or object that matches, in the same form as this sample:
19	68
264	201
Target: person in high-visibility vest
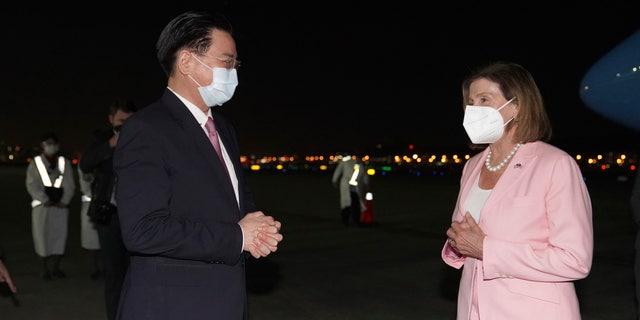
51	184
352	181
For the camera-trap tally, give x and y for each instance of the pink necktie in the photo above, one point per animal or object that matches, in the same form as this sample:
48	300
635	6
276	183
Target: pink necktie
213	138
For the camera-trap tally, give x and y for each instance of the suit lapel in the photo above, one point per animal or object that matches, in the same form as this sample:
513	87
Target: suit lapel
195	135
514	171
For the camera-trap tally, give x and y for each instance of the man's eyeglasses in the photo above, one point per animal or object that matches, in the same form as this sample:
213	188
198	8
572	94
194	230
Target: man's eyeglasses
231	63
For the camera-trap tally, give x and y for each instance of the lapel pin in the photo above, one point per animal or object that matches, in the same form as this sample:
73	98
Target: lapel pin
517	166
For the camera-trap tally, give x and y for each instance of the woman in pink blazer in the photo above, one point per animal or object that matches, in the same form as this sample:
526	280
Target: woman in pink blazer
522	225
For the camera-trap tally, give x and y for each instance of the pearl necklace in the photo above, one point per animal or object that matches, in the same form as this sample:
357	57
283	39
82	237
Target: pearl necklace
487	162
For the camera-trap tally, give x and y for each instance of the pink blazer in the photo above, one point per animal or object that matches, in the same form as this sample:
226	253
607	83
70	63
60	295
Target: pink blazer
539	238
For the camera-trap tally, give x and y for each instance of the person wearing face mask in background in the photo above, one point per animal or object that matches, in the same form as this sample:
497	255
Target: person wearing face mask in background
51	184
522	228
186	211
97	161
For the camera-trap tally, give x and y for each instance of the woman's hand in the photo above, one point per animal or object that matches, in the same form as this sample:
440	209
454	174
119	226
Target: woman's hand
466	237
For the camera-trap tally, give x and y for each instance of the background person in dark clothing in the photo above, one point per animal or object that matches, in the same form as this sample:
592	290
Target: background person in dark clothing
97	160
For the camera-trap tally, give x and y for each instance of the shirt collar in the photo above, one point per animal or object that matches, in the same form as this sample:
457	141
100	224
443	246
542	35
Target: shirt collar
195	111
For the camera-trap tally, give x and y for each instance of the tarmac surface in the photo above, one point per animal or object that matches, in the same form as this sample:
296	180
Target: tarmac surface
390	269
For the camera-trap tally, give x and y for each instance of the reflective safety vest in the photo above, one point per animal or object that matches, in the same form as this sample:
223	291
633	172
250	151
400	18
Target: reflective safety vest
354	177
44	175
356	171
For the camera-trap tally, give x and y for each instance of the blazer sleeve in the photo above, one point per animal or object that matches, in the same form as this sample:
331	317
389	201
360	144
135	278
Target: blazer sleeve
450	256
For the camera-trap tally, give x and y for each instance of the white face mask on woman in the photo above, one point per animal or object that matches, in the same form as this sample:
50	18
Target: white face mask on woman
221	88
484	124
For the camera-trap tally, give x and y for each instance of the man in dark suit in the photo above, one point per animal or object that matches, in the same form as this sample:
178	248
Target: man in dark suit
98	160
186	213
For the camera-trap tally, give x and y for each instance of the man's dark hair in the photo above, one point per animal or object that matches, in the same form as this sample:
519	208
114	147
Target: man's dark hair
125	105
50	136
189	30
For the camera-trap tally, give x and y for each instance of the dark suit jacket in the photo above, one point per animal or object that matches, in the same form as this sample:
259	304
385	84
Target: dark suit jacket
179	217
98	160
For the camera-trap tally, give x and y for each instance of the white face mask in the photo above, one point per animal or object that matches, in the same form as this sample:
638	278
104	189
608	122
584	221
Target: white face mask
221	88
51	149
484	124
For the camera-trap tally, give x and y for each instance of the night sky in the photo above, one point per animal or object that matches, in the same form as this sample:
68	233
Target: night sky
316	77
